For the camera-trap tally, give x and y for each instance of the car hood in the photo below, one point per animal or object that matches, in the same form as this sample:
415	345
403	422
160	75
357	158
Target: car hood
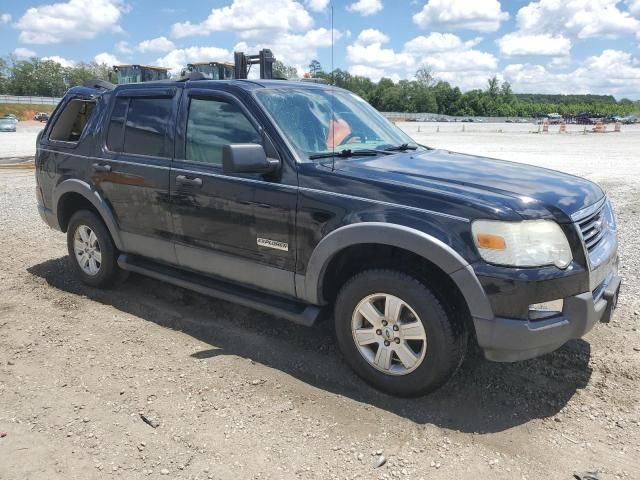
530	191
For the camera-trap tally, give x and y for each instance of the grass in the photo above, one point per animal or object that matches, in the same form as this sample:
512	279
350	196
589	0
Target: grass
24	111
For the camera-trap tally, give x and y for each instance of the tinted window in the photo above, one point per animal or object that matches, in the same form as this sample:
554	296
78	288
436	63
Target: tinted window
212	124
146	126
115	134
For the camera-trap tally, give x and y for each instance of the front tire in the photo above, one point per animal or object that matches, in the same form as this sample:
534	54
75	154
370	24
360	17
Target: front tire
395	333
91	250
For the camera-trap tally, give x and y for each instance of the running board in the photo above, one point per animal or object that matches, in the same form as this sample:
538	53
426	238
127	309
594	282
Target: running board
296	312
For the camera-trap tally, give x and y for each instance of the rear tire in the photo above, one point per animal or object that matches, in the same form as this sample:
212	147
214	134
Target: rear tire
395	333
91	250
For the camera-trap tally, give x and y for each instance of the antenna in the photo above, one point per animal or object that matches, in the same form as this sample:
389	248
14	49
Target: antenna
333	130
332	69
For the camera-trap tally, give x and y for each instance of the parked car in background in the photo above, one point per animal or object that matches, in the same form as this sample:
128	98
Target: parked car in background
41	117
584	118
8	124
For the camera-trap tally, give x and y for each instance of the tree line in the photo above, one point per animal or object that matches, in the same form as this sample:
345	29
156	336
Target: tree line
425	93
430	95
46	78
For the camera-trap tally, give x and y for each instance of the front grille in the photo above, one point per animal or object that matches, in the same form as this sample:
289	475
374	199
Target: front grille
593	229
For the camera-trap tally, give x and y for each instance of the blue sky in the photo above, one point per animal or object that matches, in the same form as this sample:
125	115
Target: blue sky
577	46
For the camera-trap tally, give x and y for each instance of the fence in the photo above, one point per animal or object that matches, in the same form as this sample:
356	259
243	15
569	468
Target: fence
29	100
394	116
433	117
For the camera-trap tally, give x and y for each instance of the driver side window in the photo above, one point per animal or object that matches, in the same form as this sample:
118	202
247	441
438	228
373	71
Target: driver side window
211	125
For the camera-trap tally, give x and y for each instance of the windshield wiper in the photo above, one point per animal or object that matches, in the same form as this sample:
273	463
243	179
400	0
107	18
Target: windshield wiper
346	153
401	148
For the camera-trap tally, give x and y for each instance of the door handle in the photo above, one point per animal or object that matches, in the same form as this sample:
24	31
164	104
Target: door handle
101	167
191	182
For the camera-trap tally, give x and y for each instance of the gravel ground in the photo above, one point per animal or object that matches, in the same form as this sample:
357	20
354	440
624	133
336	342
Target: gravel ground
230	393
22	142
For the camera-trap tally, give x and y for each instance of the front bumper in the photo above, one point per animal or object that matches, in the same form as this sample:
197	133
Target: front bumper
510	340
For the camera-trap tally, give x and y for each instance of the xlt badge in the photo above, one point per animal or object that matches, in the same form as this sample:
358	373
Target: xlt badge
265	242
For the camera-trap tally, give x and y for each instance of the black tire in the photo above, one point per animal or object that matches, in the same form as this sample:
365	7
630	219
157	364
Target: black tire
108	271
446	340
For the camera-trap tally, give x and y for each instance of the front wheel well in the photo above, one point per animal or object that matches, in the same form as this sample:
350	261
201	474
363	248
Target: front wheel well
69	204
357	258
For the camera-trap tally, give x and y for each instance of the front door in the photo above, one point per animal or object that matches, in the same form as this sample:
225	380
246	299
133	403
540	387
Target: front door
238	227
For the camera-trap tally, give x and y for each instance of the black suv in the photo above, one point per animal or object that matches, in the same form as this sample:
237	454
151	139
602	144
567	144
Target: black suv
293	198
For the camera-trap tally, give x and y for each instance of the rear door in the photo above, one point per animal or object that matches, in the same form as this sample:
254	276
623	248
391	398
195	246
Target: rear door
238	227
133	173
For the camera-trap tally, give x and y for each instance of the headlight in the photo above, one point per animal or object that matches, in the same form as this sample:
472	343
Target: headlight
530	243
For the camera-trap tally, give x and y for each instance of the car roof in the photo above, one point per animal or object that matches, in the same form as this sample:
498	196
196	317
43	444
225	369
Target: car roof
247	85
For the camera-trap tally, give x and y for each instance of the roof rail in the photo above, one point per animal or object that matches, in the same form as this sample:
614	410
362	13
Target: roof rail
192	76
99	84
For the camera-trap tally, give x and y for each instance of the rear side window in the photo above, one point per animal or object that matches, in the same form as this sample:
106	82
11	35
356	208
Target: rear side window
213	124
72	121
138	125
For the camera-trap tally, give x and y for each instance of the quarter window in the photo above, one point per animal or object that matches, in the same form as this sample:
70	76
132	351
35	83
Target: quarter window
213	124
72	121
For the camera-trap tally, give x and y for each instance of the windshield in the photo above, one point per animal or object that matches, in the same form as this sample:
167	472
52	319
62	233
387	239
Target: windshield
320	121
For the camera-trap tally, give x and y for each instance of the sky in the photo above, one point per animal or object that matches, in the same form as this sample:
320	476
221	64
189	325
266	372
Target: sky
544	46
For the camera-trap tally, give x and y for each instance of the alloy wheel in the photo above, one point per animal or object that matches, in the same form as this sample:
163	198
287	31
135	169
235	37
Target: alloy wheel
389	334
87	250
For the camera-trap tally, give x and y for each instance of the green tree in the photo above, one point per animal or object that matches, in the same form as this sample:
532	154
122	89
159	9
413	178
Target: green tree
315	69
493	87
284	71
424	76
4	76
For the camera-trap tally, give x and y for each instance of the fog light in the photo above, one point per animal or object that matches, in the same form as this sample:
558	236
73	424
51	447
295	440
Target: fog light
540	311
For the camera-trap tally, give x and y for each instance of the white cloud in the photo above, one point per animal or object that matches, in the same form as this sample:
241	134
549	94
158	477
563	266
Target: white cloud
634	7
447	55
435	42
545	44
563	61
369	58
177	59
21	52
250	19
365	7
5	18
160	44
74	20
107	58
577	18
482	15
461	61
61	60
612	72
124	47
371	35
296	50
255	25
317	5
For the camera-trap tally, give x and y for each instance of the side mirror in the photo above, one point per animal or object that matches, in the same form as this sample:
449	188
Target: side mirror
247	158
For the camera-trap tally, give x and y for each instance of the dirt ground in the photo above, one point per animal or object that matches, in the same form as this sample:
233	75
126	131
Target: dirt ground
230	393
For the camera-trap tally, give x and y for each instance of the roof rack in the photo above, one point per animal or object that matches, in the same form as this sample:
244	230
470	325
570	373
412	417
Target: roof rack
99	84
192	76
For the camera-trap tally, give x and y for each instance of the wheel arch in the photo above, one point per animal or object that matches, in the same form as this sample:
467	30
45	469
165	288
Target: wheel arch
66	196
311	286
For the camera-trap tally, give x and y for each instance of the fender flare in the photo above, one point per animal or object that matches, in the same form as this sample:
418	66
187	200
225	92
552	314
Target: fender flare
428	247
74	185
